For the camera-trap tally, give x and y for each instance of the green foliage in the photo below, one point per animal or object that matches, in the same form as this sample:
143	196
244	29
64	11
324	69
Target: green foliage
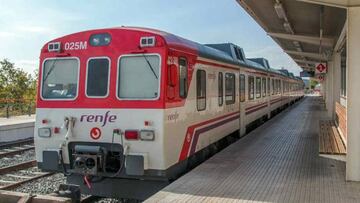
15	84
313	83
17	88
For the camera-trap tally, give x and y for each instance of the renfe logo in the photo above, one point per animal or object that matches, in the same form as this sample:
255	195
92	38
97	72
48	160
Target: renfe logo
95	133
99	118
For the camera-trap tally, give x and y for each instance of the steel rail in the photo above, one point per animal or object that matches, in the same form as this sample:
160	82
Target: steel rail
19	183
17	167
16	143
15	151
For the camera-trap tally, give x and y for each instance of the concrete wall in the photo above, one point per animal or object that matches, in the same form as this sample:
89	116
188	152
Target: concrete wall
16	128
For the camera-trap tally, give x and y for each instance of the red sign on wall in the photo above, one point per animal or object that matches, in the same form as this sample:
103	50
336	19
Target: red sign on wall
320	68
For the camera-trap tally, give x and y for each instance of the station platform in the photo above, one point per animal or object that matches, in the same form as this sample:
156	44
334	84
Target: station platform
16	128
277	162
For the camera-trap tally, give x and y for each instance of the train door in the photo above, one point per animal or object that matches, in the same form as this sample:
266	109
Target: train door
242	89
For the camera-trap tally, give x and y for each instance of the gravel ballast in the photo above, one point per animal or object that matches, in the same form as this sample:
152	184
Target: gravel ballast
43	186
16	159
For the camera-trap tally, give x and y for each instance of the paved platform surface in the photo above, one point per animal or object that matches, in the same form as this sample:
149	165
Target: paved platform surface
17	119
277	162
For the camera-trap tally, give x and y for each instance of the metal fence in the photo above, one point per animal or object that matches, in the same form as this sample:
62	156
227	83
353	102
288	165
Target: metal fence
16	107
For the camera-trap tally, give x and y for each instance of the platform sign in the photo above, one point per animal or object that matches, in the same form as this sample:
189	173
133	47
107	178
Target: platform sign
320	68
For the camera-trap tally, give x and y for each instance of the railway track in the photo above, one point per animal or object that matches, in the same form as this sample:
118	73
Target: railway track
10	197
16	143
15	150
16	175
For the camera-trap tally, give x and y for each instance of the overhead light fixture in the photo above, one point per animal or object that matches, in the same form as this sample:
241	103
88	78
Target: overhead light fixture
288	28
296	43
280	11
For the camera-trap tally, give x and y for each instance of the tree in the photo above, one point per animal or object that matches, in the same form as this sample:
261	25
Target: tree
313	83
14	82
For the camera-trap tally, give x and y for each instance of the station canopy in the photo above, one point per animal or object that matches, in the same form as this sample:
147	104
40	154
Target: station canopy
308	31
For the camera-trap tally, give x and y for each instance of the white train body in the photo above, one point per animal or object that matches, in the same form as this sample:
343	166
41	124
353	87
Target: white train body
125	146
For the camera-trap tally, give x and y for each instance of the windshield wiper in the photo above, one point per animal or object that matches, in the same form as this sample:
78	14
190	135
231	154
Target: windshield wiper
150	66
51	69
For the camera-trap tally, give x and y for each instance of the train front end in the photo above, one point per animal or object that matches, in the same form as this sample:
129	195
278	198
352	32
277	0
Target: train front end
99	116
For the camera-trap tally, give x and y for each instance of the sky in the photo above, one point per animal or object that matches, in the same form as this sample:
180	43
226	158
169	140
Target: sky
25	26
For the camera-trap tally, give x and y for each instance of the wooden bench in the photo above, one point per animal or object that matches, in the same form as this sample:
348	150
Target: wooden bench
330	141
340	119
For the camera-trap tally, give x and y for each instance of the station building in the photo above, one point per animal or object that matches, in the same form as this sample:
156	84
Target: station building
327	32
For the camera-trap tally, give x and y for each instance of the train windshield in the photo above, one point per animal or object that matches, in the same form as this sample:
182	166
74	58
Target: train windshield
139	77
60	79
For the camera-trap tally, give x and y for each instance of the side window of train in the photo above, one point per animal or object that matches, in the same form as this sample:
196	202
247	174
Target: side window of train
201	90
258	87
273	86
220	88
183	77
288	87
242	87
264	86
229	88
251	87
268	86
284	86
97	79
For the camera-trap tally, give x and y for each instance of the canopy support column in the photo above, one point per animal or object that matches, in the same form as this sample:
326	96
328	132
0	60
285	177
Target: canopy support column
353	95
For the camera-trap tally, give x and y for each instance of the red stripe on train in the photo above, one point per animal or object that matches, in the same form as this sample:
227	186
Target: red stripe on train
190	133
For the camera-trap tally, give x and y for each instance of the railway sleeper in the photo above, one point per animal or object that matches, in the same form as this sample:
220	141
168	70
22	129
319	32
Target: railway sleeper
11	196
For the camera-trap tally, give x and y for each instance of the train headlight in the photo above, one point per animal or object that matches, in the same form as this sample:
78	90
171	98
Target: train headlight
147	41
100	39
44	132
54	47
147	135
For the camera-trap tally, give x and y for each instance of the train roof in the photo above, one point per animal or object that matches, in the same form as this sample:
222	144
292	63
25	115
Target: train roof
224	52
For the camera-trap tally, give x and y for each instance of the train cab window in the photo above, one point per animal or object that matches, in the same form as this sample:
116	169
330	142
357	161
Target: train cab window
264	87
183	77
97	79
251	87
201	90
138	77
220	88
258	87
242	87
229	88
60	79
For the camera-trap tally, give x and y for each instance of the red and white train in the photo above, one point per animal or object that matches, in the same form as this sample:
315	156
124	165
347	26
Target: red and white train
124	111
